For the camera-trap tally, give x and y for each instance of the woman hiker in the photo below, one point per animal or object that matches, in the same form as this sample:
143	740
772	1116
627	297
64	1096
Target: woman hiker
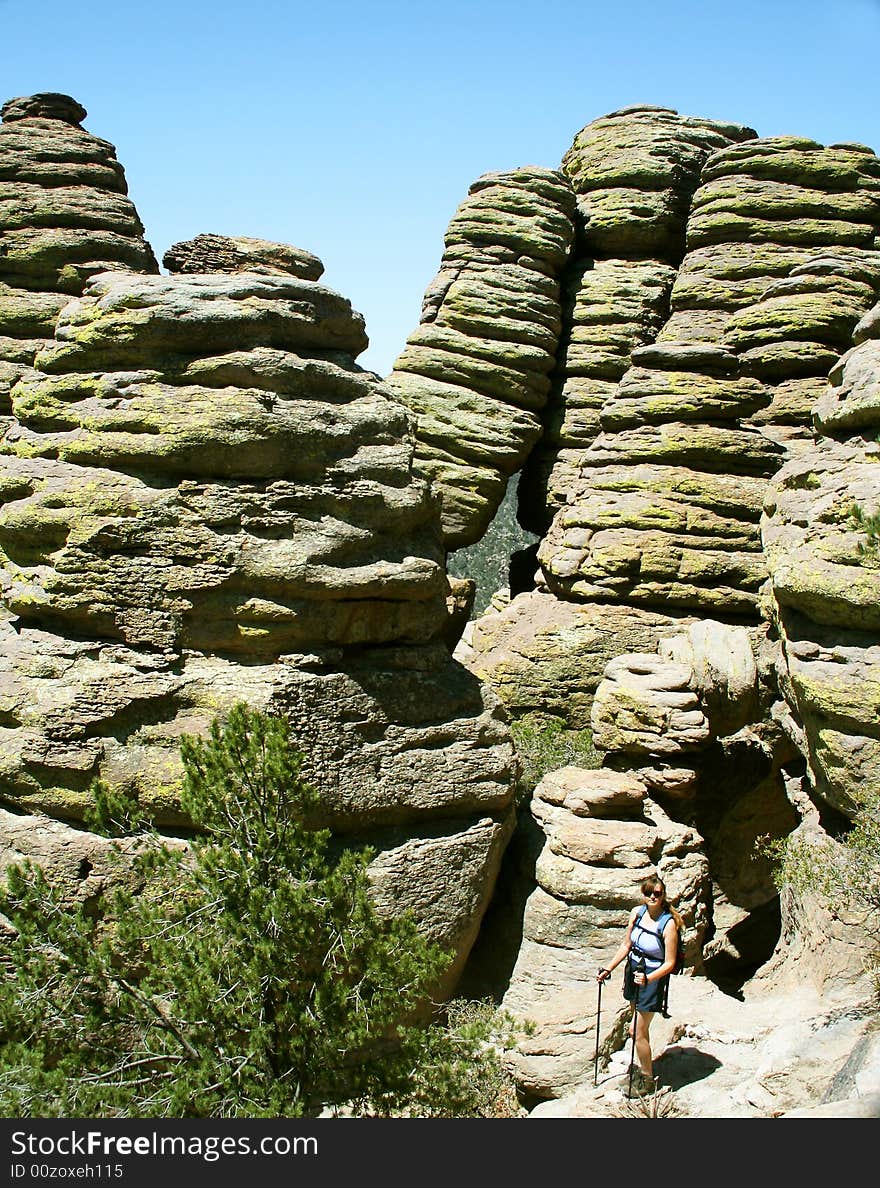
649	949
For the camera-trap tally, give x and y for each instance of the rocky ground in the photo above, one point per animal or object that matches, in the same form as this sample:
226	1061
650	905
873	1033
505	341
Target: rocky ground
779	1052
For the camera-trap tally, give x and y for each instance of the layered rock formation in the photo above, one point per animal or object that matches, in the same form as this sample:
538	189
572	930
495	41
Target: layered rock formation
826	579
601	836
665	721
664	505
652	495
205	500
634	173
64	215
476	370
823	599
652	620
240	253
543	654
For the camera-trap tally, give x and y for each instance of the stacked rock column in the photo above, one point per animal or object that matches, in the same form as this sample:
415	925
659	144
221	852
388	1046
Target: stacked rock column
659	507
688	737
476	370
634	172
824	601
825	580
663	507
602	835
782	262
64	215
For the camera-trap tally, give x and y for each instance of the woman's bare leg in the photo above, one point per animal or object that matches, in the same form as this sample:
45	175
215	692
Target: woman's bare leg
643	1042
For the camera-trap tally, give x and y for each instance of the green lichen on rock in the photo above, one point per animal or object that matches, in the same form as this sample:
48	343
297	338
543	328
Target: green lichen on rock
477	368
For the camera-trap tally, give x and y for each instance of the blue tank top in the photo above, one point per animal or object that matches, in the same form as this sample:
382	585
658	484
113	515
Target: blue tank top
647	937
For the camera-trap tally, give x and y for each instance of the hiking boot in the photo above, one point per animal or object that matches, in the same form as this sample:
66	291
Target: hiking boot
642	1085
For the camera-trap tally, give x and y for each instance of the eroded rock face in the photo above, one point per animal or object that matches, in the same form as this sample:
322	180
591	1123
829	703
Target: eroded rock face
476	370
83	865
64	210
826	581
182	474
602	836
229	498
542	654
724	672
228	253
204	501
685	790
657	483
662	503
645	706
716	280
64	215
410	754
634	173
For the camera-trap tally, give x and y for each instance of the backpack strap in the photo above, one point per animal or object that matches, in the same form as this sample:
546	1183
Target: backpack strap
663	920
679	941
634	950
638	921
664	1000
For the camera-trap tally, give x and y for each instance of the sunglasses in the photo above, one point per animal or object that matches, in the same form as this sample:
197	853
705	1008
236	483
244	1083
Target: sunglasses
653	894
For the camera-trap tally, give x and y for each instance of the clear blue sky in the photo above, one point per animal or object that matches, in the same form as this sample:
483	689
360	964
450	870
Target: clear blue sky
354	129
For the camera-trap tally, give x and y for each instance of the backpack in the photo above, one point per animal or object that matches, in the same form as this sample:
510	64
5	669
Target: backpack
663	921
679	956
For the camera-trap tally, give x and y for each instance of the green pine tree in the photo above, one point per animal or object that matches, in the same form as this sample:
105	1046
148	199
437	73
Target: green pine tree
247	974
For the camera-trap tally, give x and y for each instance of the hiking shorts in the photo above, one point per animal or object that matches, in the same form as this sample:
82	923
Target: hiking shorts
647	998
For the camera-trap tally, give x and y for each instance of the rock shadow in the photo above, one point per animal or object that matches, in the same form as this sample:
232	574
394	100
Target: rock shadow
751	943
678	1067
492	959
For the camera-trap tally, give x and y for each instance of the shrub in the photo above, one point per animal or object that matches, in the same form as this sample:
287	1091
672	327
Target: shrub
659	1104
843	872
545	744
870	525
249	975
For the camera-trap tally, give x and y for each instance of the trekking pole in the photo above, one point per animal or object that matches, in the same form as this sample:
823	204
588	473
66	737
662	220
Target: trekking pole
598	1013
640	968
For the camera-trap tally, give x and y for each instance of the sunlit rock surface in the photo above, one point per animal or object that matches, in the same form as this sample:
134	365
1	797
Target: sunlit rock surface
206	500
